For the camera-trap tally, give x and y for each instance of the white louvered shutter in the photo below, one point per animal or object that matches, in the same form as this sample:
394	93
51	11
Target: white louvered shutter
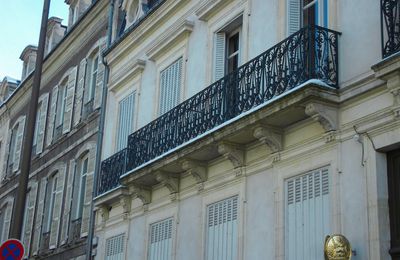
6	155
29	216
160	246
79	92
219	55
222	230
125	120
115	248
39	217
307	215
41	125
170	86
86	211
69	101
68	201
7	220
56	216
98	92
52	116
293	16
18	144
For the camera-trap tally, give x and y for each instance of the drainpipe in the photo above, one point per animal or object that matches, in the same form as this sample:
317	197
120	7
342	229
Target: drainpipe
100	134
19	206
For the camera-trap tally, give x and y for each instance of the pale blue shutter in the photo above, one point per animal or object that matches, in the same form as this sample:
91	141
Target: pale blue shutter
219	55
125	120
115	248
307	215
293	16
222	230
170	86
160	247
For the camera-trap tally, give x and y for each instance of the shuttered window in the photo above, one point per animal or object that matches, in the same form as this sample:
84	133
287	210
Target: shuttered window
15	147
62	94
40	126
170	86
93	65
160	246
115	248
82	185
222	230
28	218
5	215
307	215
125	120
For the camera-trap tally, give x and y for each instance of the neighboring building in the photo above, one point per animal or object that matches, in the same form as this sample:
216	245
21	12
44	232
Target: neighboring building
59	197
236	129
7	87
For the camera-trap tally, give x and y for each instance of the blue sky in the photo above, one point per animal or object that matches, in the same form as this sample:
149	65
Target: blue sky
19	27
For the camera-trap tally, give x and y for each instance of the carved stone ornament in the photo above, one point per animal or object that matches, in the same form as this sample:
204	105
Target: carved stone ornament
393	84
326	115
197	170
142	193
337	247
233	153
168	180
104	212
269	136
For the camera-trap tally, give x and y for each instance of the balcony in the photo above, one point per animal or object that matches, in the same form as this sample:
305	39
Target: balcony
309	54
390	22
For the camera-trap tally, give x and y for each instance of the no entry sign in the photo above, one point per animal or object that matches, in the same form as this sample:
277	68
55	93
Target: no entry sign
12	249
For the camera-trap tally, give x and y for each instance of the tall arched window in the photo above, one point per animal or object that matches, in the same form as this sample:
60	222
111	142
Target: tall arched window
81	178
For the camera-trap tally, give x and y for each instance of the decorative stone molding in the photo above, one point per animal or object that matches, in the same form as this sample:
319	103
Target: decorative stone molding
393	85
168	180
269	136
326	115
177	32
126	202
207	8
234	154
104	212
126	73
197	170
142	193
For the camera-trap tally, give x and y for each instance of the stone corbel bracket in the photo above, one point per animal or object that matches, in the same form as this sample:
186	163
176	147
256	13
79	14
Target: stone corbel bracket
269	136
393	85
142	193
104	211
126	202
234	154
326	115
197	169
169	181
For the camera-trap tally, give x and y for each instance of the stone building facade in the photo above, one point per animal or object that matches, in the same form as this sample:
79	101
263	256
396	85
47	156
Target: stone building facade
59	198
256	128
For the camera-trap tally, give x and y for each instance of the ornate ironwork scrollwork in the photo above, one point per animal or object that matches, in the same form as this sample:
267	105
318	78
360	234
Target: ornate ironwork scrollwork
390	21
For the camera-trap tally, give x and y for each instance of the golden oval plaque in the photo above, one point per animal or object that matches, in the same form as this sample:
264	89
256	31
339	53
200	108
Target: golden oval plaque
337	247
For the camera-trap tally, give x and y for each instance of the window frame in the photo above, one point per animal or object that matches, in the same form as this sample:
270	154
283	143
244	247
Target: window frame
133	126
61	101
82	185
53	180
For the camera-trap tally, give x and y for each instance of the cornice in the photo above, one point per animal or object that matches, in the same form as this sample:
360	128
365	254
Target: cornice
170	37
206	9
126	72
143	30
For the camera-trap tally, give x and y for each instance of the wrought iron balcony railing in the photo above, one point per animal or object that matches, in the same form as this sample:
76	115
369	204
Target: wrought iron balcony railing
390	22
311	53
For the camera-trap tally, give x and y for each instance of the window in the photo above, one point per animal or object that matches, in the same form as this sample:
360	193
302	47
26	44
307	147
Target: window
160	242
2	217
15	146
170	86
83	171
93	65
306	12
115	248
51	195
307	215
222	218
62	95
125	120
227	49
